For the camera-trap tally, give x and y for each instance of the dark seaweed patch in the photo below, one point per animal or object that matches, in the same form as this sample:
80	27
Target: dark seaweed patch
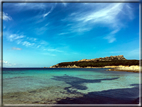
78	83
113	96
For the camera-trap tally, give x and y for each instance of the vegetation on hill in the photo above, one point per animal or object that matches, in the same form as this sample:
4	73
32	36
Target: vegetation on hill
99	63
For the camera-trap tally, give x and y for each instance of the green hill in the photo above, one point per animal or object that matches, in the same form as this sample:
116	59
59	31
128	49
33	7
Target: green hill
98	62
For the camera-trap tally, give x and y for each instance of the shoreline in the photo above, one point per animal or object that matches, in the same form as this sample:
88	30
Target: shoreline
133	68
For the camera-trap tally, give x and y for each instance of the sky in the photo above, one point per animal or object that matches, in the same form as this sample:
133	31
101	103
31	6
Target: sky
44	34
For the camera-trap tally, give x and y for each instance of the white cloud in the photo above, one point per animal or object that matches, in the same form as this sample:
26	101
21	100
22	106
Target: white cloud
54	50
11	37
15	37
115	31
38	46
14	48
18	41
106	14
81	29
129	12
7	64
48	12
19	37
26	43
111	37
29	6
63	33
6	17
32	39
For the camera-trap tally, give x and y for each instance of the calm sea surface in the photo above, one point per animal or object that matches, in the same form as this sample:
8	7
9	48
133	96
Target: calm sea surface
69	86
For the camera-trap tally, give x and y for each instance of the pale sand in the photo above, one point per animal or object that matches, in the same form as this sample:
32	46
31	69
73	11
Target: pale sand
133	68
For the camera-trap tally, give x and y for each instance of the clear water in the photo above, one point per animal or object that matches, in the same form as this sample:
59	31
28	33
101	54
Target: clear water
37	85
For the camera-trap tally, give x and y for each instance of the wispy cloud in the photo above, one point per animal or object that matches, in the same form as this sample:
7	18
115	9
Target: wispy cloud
44	15
106	14
54	50
13	37
32	39
29	6
129	12
111	36
63	33
47	24
25	40
38	46
14	48
29	42
18	41
41	30
26	43
6	17
6	63
40	7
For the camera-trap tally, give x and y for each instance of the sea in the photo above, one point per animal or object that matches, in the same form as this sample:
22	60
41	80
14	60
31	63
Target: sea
69	86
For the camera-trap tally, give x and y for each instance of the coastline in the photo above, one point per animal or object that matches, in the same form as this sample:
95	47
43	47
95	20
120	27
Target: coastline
133	68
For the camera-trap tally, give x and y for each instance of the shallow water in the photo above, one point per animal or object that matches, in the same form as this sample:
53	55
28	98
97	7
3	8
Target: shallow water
58	85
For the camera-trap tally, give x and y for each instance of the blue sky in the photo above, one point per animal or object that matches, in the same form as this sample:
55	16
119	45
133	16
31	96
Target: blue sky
44	34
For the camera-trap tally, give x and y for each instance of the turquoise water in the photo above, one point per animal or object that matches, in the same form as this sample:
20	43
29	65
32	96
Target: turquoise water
72	82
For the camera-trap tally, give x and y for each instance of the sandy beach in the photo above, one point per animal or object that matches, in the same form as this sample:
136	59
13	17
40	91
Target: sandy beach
133	68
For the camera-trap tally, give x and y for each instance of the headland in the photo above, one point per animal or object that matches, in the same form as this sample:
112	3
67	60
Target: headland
114	63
